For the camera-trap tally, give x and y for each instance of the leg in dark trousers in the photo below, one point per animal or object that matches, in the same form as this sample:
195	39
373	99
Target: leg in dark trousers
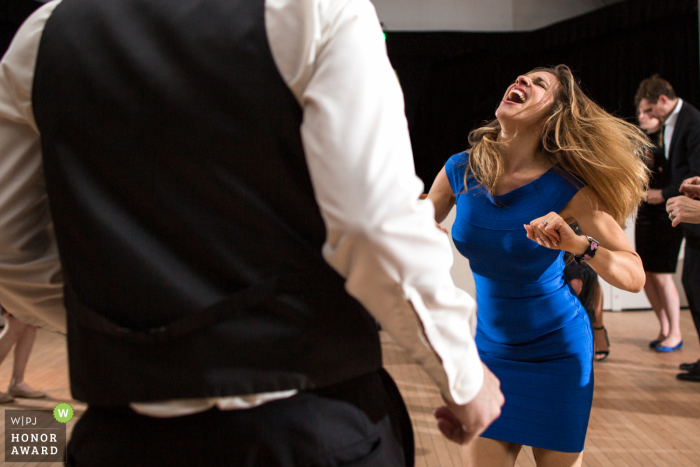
355	423
691	277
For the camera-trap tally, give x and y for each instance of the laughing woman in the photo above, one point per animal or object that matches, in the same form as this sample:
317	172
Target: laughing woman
551	157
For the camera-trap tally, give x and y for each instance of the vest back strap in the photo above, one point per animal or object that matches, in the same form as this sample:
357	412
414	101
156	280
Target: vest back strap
210	316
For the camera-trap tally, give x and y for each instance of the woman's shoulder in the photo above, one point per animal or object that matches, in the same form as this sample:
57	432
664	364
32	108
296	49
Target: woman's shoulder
458	163
455	168
461	158
584	201
567	179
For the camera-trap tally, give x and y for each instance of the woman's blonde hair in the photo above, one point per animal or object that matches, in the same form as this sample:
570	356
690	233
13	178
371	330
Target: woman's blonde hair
604	152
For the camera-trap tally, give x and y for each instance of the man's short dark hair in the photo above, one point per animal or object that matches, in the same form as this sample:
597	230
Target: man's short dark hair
653	88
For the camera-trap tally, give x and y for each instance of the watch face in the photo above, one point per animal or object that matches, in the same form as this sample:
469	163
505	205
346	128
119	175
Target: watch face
590	253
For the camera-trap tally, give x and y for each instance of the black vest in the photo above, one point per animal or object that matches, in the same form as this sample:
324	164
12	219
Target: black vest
185	216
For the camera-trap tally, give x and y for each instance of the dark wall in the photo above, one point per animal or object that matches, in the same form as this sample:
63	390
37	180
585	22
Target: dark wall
453	82
12	14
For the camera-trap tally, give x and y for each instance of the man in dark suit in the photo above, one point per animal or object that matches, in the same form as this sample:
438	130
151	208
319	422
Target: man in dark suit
682	151
685	209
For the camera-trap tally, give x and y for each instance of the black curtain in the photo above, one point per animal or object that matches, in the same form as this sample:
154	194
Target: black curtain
454	81
12	15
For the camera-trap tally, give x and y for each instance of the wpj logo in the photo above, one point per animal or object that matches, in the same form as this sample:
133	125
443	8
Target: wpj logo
36	435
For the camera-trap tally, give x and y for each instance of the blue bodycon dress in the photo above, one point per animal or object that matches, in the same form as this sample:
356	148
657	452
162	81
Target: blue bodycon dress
532	332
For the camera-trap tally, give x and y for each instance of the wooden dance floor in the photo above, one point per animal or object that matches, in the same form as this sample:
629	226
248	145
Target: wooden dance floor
642	415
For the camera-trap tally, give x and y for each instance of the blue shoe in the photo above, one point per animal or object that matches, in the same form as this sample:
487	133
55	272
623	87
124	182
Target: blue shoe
661	348
654	343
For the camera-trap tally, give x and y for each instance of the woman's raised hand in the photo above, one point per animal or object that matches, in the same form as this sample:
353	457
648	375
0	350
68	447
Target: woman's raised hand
551	231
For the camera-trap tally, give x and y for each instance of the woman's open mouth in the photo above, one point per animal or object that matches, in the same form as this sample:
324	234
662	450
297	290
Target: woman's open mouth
516	96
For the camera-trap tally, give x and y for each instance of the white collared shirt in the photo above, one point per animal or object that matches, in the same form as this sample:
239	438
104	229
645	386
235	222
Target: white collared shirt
669	126
380	238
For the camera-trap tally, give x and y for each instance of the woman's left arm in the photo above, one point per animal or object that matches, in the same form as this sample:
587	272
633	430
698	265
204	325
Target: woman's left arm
615	260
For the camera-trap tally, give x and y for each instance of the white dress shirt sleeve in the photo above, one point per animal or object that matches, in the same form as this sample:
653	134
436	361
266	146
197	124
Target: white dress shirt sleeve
380	237
31	284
